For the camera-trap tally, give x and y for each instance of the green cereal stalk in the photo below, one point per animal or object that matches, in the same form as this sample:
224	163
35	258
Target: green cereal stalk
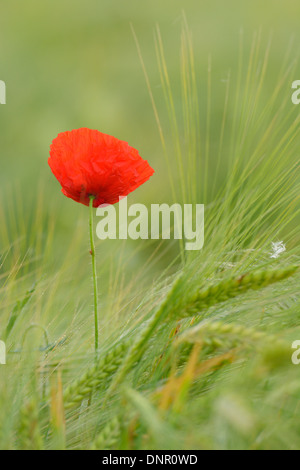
198	302
137	349
109	437
230	288
29	431
94	377
218	334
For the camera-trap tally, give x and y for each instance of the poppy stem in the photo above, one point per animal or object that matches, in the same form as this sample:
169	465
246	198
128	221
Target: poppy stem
95	280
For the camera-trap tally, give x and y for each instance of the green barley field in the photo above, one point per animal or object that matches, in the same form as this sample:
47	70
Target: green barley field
195	347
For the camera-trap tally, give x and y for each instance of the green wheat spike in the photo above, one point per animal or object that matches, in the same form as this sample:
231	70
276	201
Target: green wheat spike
218	334
230	288
29	430
202	300
109	437
96	375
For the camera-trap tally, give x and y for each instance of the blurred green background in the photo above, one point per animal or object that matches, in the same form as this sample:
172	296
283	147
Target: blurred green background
70	64
73	64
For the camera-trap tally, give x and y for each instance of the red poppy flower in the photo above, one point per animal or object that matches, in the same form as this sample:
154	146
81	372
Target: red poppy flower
88	163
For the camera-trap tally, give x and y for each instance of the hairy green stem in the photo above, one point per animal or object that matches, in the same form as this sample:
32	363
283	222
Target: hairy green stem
95	280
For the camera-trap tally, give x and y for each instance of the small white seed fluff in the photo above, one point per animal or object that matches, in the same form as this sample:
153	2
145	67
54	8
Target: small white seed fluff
277	249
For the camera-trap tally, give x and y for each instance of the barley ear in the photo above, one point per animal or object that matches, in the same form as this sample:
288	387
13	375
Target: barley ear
232	287
202	300
109	437
218	335
96	376
29	431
